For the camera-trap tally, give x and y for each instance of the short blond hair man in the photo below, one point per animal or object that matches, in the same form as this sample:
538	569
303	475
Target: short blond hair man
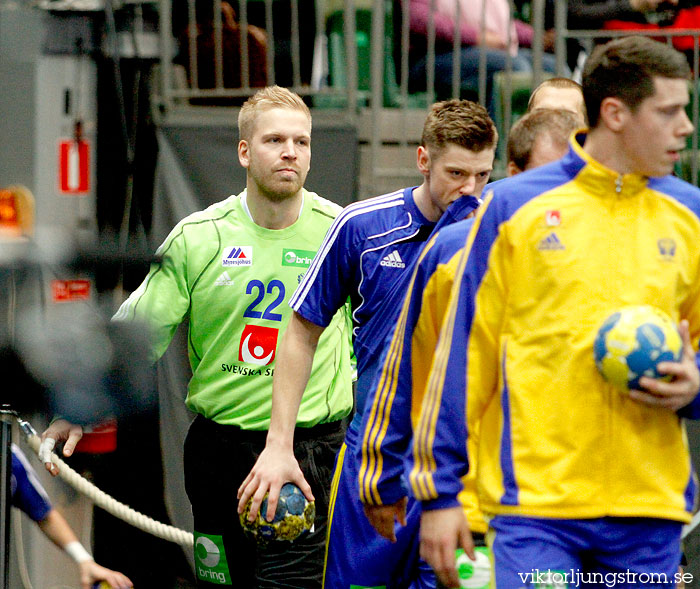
539	137
562	93
230	270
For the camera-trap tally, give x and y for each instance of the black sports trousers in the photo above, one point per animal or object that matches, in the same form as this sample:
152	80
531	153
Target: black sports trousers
217	459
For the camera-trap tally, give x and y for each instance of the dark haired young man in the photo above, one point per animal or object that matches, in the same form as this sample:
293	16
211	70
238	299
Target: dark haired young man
582	482
368	256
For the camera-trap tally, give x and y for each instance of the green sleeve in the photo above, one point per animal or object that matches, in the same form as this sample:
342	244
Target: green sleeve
162	300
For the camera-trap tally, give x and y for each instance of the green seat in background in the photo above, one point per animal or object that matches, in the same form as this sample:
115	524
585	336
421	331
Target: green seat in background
337	60
521	87
684	168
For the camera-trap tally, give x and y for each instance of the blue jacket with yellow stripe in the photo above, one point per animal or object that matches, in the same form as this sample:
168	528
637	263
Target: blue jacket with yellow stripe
387	425
551	254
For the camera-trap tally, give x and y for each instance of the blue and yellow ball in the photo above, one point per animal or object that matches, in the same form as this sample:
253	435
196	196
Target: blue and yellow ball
632	341
294	517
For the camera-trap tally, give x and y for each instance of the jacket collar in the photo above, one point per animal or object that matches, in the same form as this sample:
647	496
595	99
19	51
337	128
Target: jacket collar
597	178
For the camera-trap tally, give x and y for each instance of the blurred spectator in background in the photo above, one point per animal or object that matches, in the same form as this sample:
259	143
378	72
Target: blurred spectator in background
587	15
204	31
584	14
280	41
501	37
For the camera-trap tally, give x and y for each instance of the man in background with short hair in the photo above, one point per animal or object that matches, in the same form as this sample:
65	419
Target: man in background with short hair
539	137
561	93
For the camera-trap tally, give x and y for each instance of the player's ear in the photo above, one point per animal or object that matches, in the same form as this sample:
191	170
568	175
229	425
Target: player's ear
513	169
244	153
423	160
613	113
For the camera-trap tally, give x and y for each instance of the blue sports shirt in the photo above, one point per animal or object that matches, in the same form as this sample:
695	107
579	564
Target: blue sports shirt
27	492
368	255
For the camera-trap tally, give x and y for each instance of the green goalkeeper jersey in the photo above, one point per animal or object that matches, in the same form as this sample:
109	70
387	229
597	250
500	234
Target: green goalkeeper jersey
232	279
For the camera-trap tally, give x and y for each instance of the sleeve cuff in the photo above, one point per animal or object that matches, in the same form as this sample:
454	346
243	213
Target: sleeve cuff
392	495
442	502
314	318
691	410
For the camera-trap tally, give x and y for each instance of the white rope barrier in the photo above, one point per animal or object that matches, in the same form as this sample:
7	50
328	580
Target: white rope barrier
689	528
111	505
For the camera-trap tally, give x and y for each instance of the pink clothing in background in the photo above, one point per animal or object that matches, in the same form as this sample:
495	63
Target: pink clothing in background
497	20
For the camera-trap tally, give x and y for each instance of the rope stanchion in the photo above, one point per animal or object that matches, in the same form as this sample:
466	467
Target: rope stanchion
111	505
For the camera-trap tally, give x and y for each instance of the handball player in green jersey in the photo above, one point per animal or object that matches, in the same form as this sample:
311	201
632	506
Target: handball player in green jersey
230	270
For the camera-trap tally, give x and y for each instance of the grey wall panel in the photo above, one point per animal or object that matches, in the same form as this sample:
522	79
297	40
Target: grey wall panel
20	39
209	155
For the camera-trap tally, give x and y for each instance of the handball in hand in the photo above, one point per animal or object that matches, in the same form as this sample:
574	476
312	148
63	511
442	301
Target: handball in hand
294	516
632	342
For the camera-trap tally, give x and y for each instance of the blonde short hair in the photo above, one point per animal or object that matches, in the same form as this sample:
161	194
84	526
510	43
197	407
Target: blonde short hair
555	122
265	99
562	83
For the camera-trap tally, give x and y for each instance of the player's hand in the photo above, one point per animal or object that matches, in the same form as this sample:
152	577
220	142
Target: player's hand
685	384
91	573
442	531
382	517
59	431
274	467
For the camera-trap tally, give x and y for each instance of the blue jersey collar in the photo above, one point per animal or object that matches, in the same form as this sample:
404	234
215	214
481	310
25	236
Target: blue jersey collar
457	211
412	207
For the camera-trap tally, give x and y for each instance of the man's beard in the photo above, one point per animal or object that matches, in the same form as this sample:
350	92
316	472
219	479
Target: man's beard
283	189
277	195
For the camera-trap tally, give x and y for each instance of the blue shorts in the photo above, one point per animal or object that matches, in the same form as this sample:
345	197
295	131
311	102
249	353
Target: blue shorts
609	552
357	556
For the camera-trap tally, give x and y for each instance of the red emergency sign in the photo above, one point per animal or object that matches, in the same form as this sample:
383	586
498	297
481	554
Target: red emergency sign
74	166
70	290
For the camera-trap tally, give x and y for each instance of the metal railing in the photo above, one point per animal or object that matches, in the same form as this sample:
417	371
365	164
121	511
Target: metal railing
666	34
387	110
178	85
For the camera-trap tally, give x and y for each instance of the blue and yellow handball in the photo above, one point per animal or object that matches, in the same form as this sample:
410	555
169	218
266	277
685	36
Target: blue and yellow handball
632	341
294	517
